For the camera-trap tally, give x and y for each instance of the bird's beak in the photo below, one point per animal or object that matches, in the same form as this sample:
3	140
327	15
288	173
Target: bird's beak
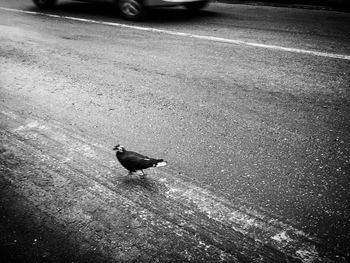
118	147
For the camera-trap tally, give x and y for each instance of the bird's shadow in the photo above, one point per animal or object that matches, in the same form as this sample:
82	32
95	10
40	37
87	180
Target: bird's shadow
143	183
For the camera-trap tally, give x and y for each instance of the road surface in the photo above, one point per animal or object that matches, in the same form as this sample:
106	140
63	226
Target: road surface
249	105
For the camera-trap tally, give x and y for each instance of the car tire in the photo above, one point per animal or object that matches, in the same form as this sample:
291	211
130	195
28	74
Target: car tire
131	9
45	4
196	6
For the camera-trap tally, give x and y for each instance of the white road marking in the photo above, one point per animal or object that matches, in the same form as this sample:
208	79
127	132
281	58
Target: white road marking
248	221
282	237
203	37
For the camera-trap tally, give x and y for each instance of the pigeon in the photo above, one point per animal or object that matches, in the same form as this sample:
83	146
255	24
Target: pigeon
133	161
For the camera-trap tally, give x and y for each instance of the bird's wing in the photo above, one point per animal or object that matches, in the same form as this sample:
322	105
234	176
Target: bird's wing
137	156
138	161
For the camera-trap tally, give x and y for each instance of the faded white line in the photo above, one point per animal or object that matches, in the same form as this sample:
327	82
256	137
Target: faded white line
203	37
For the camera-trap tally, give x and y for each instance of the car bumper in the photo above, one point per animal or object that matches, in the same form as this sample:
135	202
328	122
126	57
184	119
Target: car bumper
169	2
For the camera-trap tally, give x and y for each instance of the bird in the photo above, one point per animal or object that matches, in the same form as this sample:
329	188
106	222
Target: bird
133	161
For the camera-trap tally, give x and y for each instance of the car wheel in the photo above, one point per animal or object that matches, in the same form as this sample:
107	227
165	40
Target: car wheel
196	6
45	4
131	9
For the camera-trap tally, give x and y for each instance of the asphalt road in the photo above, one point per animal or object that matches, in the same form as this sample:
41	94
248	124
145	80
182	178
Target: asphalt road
249	105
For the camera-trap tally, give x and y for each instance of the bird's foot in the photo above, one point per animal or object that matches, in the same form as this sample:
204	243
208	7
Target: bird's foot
142	175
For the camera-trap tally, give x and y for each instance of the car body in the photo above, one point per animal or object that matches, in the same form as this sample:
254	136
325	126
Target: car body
135	9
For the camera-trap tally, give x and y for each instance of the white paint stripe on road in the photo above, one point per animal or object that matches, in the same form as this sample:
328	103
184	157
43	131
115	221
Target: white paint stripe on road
203	37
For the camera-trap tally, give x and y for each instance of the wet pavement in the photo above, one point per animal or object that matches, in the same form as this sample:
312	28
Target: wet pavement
256	137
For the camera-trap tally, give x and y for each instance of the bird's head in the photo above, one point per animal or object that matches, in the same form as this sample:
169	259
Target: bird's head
119	148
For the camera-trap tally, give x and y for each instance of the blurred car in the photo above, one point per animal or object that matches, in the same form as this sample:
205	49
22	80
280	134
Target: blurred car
135	9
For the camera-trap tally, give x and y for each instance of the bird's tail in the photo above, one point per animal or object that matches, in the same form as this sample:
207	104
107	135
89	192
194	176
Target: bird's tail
161	163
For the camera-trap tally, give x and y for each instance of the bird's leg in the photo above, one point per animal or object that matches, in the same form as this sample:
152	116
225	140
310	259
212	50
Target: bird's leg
143	174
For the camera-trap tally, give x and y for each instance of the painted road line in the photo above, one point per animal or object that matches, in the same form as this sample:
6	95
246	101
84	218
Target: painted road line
182	34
